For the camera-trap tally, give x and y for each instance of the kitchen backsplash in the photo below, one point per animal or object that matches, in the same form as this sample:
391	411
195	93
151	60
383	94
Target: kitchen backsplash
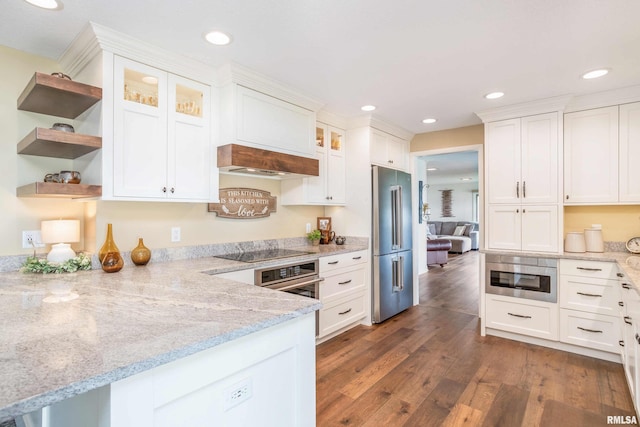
13	263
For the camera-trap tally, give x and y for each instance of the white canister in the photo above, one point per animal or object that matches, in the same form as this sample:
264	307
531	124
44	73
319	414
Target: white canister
593	240
574	242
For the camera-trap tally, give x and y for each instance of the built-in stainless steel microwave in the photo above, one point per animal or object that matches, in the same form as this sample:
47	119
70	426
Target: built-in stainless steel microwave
522	277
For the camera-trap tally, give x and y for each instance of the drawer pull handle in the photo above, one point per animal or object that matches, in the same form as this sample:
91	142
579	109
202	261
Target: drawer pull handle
344	283
333	262
345	312
621	343
357	257
589	269
589	295
627	320
519	315
595	331
626	286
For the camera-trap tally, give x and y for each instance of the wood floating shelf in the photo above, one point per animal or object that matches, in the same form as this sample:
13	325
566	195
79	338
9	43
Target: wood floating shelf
56	190
57	96
55	143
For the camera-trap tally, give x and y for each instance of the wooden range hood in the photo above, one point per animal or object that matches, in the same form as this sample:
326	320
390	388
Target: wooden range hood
255	161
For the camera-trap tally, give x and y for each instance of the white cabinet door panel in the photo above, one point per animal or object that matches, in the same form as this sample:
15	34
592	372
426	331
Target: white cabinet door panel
504	227
539	180
629	153
540	228
591	156
503	161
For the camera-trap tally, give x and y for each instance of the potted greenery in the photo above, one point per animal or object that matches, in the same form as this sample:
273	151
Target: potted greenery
314	236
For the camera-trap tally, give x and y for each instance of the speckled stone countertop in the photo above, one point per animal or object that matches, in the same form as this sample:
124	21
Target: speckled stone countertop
124	323
628	262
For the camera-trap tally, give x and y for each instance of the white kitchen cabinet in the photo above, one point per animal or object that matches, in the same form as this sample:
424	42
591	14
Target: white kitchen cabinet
629	315
522	160
522	316
523	228
253	118
522	183
342	292
389	150
329	188
629	153
162	143
589	295
591	156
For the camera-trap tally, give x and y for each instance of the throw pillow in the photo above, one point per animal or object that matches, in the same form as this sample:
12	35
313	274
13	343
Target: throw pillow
468	229
431	229
459	231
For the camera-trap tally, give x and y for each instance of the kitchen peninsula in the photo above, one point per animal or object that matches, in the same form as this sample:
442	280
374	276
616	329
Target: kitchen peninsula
151	341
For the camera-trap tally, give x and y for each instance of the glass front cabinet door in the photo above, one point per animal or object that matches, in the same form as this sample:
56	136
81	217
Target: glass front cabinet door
162	145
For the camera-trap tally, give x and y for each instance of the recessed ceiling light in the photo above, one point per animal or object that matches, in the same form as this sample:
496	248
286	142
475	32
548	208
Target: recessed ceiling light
465	179
432	169
494	95
46	4
218	38
429	121
595	74
368	107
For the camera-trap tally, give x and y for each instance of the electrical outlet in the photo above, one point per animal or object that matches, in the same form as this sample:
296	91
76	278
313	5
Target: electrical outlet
31	239
175	234
308	228
237	393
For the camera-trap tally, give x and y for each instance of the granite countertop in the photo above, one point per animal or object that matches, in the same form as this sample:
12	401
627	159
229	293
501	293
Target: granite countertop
120	324
629	263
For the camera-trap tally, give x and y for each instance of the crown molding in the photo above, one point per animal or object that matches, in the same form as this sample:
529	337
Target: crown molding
95	38
607	98
233	73
331	119
371	120
541	106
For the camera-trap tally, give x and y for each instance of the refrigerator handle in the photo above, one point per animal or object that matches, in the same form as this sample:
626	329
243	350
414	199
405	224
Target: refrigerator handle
396	217
400	273
394	274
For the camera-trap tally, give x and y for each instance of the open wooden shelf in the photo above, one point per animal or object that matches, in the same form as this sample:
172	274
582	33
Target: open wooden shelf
56	96
54	189
55	143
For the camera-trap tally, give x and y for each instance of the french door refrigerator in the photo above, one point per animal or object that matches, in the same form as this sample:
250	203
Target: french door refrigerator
392	262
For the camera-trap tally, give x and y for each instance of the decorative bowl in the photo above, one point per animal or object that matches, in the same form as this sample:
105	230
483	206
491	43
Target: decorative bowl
69	177
64	127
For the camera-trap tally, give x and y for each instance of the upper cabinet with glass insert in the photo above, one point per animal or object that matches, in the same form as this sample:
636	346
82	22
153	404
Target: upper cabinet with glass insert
161	135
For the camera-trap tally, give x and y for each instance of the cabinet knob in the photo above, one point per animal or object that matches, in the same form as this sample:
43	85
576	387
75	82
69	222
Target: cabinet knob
164	189
621	303
621	343
567	197
619	274
391	161
173	190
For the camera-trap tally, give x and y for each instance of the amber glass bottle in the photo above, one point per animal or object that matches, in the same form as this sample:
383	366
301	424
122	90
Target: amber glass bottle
140	255
109	254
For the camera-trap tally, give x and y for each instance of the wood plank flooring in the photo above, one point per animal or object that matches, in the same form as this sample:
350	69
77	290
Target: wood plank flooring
429	366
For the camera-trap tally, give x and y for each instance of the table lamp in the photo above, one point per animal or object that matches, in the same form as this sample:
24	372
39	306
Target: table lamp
60	233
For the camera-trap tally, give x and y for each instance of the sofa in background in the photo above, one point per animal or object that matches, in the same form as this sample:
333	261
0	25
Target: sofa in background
469	240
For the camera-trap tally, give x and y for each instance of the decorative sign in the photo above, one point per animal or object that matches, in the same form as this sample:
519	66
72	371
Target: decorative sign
244	203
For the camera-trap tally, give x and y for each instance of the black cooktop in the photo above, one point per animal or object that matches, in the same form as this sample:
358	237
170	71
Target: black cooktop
262	255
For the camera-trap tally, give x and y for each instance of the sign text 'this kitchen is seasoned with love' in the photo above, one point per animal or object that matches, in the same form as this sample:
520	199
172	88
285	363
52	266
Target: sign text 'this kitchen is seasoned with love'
244	203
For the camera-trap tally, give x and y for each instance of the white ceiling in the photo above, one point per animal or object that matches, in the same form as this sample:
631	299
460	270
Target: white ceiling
412	59
452	167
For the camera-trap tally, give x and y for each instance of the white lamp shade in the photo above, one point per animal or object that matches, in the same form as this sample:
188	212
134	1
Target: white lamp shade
60	231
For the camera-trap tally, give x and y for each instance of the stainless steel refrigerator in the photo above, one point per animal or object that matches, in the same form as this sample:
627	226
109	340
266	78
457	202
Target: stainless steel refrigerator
392	262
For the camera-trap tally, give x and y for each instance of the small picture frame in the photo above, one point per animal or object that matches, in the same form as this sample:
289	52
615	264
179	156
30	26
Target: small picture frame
324	223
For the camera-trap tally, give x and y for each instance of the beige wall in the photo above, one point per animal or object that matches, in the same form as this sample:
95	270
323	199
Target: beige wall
152	221
619	223
469	135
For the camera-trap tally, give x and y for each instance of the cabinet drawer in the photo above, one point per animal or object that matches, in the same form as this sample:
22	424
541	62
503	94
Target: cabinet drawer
598	269
342	313
590	330
333	262
588	294
341	283
522	316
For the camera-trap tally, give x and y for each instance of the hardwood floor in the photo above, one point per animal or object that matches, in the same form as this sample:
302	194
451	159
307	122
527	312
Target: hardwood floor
429	366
